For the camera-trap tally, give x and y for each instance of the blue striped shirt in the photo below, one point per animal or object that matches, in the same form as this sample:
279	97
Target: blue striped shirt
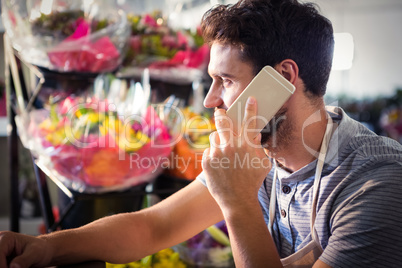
359	210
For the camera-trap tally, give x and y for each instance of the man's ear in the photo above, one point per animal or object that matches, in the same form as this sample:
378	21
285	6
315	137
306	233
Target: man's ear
288	69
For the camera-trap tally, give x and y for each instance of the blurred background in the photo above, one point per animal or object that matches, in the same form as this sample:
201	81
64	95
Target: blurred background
366	79
368	49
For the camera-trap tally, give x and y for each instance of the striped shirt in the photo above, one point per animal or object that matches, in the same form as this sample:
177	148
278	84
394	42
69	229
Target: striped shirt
359	210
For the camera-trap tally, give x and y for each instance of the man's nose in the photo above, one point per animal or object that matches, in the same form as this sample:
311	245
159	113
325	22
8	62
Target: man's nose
214	97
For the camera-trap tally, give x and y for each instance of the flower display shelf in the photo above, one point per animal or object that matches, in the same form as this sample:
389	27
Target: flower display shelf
67	46
24	83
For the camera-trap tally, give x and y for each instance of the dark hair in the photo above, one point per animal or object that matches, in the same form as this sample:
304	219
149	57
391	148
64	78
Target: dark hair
268	32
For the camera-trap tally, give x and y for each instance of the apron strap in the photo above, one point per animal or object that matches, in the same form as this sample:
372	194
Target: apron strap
272	201
317	179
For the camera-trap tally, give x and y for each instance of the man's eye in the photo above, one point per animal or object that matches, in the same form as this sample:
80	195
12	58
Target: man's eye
226	82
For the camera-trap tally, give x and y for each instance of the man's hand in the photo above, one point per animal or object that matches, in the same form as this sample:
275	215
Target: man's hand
23	251
235	165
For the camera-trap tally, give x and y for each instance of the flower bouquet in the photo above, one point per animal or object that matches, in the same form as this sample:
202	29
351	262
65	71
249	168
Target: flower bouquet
177	56
210	248
165	258
196	128
95	144
391	122
67	36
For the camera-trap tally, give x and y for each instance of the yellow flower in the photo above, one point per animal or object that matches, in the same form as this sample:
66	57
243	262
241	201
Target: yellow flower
164	263
110	125
133	141
164	253
110	265
136	264
166	258
47	125
56	137
91	117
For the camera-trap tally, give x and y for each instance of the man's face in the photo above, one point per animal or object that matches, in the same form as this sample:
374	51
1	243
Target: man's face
230	76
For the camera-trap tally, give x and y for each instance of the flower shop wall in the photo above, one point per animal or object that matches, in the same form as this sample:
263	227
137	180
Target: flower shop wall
374	26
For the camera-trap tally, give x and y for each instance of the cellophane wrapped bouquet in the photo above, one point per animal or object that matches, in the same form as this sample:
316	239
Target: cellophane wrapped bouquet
391	117
68	35
196	128
166	258
210	248
173	55
106	140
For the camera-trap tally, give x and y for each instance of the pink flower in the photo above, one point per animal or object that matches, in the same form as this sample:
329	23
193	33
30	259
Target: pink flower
82	29
181	39
148	20
135	44
79	53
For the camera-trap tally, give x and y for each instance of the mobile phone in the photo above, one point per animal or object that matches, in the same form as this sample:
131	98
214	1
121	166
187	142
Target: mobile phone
270	89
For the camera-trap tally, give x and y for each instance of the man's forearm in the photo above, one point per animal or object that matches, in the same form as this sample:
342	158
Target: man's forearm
118	239
126	237
251	241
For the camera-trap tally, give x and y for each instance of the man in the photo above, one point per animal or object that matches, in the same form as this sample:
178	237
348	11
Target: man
335	200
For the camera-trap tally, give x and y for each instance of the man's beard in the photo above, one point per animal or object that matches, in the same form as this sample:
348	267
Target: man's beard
277	133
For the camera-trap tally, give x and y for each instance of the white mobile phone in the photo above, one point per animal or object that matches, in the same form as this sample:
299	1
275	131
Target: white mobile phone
270	89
